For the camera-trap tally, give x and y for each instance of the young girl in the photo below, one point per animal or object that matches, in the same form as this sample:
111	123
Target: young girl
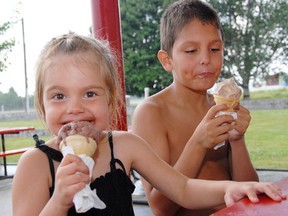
76	79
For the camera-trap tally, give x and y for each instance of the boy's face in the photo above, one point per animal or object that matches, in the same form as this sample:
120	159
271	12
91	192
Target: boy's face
197	56
74	90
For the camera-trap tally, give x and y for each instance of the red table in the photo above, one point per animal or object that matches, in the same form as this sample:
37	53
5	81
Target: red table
14	130
266	206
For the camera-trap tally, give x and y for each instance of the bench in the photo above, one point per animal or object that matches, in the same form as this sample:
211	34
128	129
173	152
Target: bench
13	152
6	153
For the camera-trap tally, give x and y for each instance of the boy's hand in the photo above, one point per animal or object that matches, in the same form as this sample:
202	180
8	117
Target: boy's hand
240	125
213	130
238	190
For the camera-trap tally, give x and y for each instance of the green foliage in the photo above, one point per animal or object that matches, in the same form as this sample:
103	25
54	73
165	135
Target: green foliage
140	34
11	100
255	35
5	45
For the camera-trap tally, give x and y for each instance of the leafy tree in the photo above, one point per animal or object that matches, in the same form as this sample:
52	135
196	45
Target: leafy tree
11	100
140	35
255	36
5	45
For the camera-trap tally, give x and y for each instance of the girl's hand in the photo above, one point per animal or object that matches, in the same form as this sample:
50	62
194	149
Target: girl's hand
213	130
238	190
240	125
72	175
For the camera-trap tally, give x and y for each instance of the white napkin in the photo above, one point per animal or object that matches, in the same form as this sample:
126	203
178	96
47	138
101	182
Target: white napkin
234	114
86	198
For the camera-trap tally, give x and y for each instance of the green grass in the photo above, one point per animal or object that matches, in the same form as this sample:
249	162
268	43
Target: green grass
21	142
37	124
267	138
271	94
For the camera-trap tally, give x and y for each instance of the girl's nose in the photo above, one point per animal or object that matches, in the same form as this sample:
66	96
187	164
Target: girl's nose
75	106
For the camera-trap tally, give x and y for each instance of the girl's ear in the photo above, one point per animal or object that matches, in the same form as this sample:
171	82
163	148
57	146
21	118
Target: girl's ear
164	59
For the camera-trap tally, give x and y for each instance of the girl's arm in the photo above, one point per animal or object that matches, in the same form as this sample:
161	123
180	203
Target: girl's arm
191	157
193	193
30	191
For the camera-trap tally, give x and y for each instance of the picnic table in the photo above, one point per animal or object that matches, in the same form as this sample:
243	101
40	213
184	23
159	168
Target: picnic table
266	206
4	153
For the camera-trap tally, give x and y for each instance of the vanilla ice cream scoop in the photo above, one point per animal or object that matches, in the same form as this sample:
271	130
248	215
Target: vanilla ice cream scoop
80	144
227	92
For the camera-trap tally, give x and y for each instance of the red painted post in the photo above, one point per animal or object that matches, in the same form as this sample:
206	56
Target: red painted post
106	25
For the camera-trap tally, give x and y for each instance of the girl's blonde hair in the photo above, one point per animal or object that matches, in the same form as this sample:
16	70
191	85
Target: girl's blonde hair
74	44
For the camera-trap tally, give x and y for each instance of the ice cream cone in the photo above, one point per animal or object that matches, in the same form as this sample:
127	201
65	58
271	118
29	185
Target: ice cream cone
80	144
231	102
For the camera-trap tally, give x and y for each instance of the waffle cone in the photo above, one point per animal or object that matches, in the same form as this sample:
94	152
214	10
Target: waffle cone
231	102
80	144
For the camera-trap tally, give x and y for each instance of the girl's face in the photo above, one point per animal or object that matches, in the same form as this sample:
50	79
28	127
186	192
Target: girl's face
74	90
197	56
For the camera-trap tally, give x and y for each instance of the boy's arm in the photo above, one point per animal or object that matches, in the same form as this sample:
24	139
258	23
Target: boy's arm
242	167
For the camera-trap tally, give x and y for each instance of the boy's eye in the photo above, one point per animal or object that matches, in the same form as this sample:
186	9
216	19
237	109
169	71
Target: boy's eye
215	49
191	51
90	94
58	96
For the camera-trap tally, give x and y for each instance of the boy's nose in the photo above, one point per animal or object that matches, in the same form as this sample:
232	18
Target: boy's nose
204	58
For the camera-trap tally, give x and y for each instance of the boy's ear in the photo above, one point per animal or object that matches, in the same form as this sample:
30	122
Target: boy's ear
164	59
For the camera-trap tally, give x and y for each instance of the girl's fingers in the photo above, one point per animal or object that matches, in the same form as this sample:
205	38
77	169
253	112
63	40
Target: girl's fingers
73	164
252	190
273	191
72	170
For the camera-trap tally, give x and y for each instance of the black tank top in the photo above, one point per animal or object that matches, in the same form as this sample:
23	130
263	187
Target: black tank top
114	188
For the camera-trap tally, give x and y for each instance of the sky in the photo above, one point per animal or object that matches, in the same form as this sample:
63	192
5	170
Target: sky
43	20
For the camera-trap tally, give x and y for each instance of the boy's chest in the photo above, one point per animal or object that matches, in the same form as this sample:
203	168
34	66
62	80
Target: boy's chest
181	128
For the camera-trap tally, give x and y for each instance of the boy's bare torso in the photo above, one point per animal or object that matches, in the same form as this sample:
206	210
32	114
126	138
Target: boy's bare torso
178	119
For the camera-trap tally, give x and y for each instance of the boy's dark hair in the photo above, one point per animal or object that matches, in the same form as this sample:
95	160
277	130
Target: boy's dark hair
180	13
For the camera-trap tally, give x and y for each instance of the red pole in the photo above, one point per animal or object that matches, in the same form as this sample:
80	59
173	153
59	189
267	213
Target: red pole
106	25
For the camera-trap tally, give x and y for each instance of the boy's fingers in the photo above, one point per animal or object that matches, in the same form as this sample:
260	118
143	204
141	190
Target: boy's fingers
215	109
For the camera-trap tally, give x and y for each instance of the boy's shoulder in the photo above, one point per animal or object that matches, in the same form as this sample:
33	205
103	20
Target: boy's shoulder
155	103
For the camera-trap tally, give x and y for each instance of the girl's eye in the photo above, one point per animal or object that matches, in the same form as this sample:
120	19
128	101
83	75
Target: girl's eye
58	97
90	94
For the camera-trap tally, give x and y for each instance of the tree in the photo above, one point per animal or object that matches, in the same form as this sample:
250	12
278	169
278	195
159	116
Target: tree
255	36
140	35
5	46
